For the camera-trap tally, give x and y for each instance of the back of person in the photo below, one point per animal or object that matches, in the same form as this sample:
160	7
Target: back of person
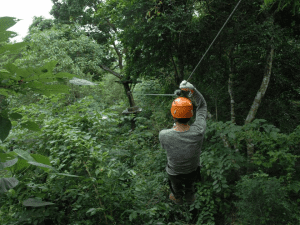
183	143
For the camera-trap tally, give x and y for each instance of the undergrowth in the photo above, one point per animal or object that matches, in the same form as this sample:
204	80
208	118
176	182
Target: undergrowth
122	177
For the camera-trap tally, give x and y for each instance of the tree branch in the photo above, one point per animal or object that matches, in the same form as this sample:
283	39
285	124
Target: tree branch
119	55
111	71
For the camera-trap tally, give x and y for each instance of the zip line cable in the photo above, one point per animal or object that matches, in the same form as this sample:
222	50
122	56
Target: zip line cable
215	39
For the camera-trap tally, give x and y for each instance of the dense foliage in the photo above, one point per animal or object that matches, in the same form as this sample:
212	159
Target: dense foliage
67	153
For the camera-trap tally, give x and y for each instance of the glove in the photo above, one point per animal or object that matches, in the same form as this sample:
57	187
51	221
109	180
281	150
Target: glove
186	86
177	92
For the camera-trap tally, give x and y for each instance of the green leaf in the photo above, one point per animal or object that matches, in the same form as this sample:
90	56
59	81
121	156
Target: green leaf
273	135
36	202
7	22
8	163
110	217
232	135
91	210
133	215
87	137
13	70
6	156
5	127
225	186
77	81
41	159
50	66
40	165
65	174
131	172
15	116
295	186
13	48
148	134
24	155
31	126
21	165
4	92
64	75
7	183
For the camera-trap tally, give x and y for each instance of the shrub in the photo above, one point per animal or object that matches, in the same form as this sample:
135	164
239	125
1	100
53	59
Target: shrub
264	200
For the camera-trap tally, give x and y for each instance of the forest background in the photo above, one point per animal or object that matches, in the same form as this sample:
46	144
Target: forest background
69	155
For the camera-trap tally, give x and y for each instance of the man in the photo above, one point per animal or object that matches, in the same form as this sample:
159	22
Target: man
183	144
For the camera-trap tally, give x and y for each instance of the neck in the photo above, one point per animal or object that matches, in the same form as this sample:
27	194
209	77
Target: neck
181	125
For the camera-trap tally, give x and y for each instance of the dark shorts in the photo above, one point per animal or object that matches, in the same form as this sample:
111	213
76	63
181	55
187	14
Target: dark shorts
183	184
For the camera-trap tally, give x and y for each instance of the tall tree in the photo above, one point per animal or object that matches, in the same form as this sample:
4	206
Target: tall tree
99	27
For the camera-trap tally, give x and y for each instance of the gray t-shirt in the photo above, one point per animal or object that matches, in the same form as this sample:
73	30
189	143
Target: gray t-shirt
184	148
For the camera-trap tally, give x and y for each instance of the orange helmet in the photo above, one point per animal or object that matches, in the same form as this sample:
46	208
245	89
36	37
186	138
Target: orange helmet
182	108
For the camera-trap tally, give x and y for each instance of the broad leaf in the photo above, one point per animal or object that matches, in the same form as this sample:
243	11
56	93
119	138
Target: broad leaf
21	165
31	126
3	92
5	127
7	22
8	163
41	159
40	165
65	174
13	48
77	81
24	155
34	202
13	71
50	66
7	183
7	92
6	156
64	75
15	116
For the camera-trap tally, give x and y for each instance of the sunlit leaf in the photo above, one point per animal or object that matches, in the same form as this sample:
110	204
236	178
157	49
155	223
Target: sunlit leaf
8	163
8	183
77	81
40	165
24	155
36	202
65	174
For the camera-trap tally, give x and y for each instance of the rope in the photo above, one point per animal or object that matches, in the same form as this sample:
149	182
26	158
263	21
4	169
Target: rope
215	38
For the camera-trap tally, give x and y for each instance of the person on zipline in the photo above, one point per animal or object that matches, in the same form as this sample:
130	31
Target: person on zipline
183	145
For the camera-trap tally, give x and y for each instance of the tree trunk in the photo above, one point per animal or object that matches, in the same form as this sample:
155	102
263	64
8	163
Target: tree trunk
230	82
261	92
216	103
131	102
127	90
256	103
177	79
232	115
129	94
